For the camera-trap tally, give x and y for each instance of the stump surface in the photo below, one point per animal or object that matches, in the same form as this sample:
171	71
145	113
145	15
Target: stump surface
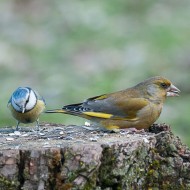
73	157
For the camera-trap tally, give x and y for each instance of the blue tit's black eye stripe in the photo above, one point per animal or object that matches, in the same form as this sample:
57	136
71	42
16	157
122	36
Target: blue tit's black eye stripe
17	104
27	100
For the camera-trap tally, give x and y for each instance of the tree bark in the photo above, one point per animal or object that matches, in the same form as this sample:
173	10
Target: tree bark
73	157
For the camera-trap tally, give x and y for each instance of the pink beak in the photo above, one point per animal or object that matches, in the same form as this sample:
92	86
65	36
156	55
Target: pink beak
173	91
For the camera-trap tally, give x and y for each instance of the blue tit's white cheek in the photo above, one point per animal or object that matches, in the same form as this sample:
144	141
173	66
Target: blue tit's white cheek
19	98
15	106
31	101
19	103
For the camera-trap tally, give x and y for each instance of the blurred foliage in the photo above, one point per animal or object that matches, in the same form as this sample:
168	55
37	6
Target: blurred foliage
72	50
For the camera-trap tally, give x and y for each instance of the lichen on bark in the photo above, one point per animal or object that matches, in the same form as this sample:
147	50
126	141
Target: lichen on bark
155	159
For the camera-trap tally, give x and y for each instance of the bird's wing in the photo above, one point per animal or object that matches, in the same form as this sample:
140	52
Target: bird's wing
109	107
9	102
39	97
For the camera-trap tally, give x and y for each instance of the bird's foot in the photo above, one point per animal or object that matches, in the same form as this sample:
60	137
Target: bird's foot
17	128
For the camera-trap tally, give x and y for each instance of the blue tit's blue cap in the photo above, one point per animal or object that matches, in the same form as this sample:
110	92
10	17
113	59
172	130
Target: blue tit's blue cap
20	93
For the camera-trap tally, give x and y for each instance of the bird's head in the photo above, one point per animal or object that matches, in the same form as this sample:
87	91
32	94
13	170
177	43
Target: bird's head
160	87
23	99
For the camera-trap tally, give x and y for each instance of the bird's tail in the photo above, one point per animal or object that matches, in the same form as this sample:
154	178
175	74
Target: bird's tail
73	109
55	111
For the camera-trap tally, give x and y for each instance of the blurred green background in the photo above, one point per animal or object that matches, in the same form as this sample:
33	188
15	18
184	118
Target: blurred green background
71	50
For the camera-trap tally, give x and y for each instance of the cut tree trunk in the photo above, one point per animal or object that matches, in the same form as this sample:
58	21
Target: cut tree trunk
74	157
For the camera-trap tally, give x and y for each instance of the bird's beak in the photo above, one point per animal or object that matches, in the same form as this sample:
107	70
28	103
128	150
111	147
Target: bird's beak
23	109
173	91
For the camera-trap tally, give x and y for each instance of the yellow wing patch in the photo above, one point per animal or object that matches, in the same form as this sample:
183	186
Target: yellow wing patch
101	97
109	116
99	114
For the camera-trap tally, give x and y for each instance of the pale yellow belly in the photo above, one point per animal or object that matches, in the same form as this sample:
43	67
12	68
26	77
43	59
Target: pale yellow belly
30	116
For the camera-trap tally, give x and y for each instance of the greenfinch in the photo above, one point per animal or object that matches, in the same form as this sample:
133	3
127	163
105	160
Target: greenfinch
136	107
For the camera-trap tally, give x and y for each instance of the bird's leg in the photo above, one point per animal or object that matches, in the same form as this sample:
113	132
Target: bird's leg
37	125
17	126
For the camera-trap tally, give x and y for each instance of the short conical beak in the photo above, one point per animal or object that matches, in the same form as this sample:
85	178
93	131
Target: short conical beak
173	91
23	109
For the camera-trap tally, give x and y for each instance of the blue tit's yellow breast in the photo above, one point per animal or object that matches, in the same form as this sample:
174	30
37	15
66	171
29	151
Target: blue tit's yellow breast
29	116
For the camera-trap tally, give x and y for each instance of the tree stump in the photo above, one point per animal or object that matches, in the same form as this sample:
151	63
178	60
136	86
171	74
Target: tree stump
73	157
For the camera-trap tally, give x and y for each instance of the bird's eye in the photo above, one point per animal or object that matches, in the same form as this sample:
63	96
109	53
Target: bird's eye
163	85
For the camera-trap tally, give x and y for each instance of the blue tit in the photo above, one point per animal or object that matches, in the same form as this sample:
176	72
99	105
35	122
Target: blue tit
26	105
